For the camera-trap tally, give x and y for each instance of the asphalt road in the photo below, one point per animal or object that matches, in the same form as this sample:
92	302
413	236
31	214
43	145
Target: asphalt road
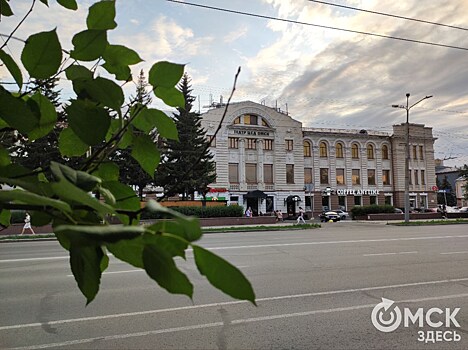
315	289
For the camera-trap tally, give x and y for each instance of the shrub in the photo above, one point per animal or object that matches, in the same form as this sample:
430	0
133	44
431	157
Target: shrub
371	209
201	212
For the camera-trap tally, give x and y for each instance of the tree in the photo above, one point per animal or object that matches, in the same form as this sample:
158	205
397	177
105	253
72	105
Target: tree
187	164
99	123
446	197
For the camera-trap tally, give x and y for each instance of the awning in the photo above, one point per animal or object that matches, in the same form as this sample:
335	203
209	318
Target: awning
255	194
294	198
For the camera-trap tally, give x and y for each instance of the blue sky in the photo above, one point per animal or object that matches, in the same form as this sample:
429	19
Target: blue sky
325	78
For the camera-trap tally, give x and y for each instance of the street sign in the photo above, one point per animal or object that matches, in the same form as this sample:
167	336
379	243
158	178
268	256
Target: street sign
435	188
442	191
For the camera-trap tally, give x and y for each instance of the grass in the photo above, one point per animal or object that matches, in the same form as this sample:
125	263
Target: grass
431	222
205	230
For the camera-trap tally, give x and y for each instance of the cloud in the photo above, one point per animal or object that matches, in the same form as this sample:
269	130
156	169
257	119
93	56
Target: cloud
235	34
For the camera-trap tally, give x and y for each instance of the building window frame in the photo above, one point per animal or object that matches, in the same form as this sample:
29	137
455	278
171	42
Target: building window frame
421	152
268	145
386	177
371	180
268	174
340	176
324	176
233	142
251	143
251	173
370	151
356	176
323	149
307	149
355	151
289	145
290	173
339	150
233	173
308	176
384	152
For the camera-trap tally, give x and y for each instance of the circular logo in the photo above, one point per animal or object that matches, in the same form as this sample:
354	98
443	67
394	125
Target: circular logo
435	188
384	319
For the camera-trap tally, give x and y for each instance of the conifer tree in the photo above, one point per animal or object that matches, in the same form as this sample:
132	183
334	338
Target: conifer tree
187	165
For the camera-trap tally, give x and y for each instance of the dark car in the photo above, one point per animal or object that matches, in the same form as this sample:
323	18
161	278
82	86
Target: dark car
330	215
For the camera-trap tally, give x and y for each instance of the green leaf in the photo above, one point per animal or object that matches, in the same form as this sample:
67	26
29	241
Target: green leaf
4	157
148	119
42	54
81	179
165	74
130	251
89	45
78	72
45	2
104	262
98	234
46	113
68	4
5	9
120	72
71	145
105	91
85	262
39	218
12	67
108	196
173	246
15	112
125	198
89	122
101	16
223	275
144	151
21	196
107	171
5	217
160	267
170	96
119	55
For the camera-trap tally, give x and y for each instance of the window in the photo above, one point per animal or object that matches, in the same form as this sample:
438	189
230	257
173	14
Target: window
234	173
342	202
410	175
421	152
386	177
237	120
388	200
355	151
415	155
384	152
233	142
339	150
370	152
371	176
416	177
423	177
214	172
373	199
340	177
250	119
251	173
325	203
268	173
308	175
324	176
290	173
268	145
251	143
212	140
356	176
357	200
323	149
264	123
307	149
289	145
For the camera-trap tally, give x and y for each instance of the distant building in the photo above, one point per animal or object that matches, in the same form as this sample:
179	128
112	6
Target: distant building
267	161
460	185
442	172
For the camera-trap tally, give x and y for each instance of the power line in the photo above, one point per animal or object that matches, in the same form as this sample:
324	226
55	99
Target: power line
390	15
316	25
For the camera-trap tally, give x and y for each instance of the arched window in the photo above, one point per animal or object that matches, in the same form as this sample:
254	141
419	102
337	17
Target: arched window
384	152
370	151
355	151
237	120
339	150
323	149
307	149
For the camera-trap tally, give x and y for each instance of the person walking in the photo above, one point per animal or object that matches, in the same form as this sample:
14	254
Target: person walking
27	224
248	212
300	217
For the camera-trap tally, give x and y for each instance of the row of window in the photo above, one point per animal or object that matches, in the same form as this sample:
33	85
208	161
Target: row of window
415	152
418	174
251	119
340	176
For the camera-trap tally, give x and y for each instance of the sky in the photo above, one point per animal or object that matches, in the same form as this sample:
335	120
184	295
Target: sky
323	77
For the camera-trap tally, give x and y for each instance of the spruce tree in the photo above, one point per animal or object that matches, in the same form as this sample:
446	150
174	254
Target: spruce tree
187	165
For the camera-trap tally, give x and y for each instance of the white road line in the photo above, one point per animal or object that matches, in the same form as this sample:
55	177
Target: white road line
380	254
464	252
34	259
220	324
113	272
193	307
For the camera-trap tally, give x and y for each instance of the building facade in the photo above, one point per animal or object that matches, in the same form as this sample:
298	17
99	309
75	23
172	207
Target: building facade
267	161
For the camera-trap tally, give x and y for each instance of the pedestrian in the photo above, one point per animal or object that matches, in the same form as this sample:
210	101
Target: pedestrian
27	224
280	215
248	212
300	217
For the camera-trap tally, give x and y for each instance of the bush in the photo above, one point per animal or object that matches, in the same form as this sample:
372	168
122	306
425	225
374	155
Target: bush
371	209
201	212
17	216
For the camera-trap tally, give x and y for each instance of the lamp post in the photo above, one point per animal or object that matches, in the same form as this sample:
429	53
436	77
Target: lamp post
407	145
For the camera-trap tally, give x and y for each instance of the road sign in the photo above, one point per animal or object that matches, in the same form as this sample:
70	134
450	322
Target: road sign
435	188
442	191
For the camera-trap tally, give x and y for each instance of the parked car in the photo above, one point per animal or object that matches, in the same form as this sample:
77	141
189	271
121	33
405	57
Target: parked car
330	215
398	211
343	214
463	210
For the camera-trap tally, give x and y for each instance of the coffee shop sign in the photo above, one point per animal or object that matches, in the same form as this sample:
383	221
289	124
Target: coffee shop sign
357	192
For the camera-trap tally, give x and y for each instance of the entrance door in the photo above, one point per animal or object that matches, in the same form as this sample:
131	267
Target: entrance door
291	207
253	203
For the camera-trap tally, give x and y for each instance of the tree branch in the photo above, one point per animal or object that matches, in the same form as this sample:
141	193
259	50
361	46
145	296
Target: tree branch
18	25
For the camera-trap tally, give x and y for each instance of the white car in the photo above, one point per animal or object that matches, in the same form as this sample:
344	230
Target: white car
343	214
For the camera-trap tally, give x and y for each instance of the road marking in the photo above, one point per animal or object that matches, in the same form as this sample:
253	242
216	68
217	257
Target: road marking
220	324
380	254
34	259
113	272
202	306
464	252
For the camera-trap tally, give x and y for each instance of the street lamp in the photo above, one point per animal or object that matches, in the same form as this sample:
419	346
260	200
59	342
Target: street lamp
407	145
